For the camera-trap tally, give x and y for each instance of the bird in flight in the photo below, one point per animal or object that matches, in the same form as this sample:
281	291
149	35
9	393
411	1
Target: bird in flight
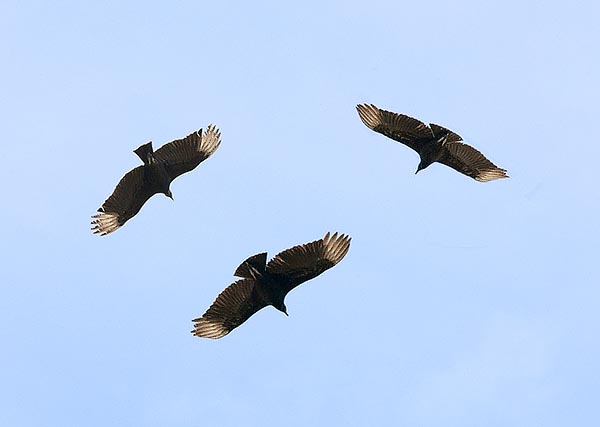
434	143
264	284
160	168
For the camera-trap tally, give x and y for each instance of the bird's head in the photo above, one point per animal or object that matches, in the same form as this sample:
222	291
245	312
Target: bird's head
423	164
281	307
169	194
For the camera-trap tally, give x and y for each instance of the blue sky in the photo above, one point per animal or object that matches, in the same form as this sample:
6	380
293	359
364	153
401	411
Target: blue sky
458	304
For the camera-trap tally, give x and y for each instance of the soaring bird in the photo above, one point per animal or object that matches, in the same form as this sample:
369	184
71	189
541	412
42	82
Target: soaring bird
434	143
264	284
160	168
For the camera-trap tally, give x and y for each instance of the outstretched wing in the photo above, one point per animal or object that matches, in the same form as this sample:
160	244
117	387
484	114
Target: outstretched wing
304	262
236	304
401	128
471	162
183	155
128	198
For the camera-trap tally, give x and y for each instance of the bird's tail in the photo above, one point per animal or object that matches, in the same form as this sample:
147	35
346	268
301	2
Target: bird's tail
145	152
258	262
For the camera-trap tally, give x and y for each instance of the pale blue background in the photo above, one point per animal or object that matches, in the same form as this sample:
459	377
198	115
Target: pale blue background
459	303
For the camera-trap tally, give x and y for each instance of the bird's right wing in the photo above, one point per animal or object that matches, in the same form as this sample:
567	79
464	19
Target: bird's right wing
183	155
401	128
471	162
236	304
304	262
128	198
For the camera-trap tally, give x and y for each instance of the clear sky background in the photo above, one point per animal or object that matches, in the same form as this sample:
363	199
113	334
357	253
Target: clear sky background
458	304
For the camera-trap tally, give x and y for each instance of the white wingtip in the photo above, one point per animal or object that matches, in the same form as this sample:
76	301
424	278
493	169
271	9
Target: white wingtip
336	246
105	223
369	114
205	328
490	175
211	139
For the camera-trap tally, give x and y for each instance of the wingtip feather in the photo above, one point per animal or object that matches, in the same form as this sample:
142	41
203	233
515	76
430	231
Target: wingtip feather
336	247
204	328
369	114
105	223
491	175
210	140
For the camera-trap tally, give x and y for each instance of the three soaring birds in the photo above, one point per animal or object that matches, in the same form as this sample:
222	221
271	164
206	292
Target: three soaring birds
265	283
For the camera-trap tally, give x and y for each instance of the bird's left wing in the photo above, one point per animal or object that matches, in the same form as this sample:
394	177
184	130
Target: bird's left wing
471	162
236	304
124	203
399	127
304	262
183	155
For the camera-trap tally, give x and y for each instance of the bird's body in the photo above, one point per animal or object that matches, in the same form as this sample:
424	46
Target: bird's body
160	168
268	291
263	284
430	153
156	176
433	143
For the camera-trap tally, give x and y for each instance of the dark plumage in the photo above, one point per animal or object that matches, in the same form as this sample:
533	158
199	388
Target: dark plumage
433	143
264	284
160	168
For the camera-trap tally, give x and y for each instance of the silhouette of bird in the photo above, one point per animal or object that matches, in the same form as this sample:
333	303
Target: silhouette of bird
434	143
264	284
160	168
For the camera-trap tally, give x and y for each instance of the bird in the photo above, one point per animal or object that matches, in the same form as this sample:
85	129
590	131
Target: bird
263	284
160	168
434	143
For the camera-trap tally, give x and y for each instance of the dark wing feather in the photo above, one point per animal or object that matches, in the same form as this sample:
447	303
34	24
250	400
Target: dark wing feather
183	155
440	130
471	162
128	198
304	262
401	128
236	304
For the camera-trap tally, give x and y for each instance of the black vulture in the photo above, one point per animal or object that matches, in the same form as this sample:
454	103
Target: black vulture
160	168
264	284
434	143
